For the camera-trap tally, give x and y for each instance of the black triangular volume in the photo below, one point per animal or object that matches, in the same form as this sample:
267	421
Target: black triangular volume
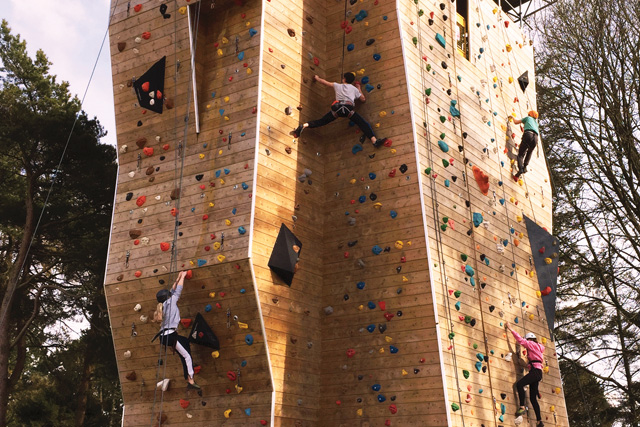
150	87
202	334
523	80
284	257
543	246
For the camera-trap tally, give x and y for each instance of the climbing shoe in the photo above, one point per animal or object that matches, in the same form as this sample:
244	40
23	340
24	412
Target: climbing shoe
540	424
520	411
379	142
297	131
193	386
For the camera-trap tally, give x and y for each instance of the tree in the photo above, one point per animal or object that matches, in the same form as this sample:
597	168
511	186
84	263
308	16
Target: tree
51	260
589	99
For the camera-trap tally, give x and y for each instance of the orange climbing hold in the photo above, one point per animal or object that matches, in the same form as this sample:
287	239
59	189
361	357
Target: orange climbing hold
482	179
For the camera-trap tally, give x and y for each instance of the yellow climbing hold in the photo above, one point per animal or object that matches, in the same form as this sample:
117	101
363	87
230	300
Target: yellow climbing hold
183	10
404	373
510	79
212	294
382	113
545	369
227	222
392	151
215	354
208	106
404	279
495	10
548	260
399	244
192	263
377	124
216	246
495	79
227	413
409	243
552	408
360	72
377	205
359	412
247	24
531	317
519	218
557	390
511	199
221	258
239	389
544	340
226	99
226	118
249	71
219	152
201	156
508	47
539	294
225	40
520	182
220	53
520	235
361	307
221	181
211	204
381	351
388	338
352	181
242	325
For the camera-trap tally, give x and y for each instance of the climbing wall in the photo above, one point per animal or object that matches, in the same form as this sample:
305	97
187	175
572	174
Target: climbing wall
413	254
184	202
480	256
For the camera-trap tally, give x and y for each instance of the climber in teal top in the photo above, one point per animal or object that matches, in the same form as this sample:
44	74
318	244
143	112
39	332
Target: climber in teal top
529	140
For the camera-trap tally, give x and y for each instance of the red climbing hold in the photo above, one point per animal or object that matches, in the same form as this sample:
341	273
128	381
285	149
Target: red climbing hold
263	422
189	275
137	8
138	273
148	151
541	250
184	403
165	147
185	322
174	211
140	200
382	305
343	24
164	246
387	423
316	61
197	368
393	409
346	254
145	86
231	375
388	316
546	291
348	29
388	143
146	35
482	179
136	242
350	353
392	173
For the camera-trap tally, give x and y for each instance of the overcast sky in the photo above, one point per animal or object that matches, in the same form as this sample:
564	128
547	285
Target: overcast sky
70	33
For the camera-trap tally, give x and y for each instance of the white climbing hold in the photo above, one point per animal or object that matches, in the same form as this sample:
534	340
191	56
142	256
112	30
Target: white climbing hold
124	148
138	307
164	384
131	174
144	319
508	357
127	354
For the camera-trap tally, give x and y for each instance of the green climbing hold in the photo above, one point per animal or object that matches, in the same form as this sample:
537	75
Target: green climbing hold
428	171
445	219
465	374
420	12
443	119
442	135
455	407
452	335
445	163
463	257
443	146
459	78
457	294
475	346
467	319
415	41
428	90
443	227
440	40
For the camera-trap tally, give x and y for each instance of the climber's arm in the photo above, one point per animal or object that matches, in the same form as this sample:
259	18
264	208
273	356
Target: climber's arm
361	98
323	81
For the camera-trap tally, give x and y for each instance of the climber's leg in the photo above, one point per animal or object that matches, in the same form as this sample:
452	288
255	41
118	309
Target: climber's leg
533	396
533	141
325	120
183	349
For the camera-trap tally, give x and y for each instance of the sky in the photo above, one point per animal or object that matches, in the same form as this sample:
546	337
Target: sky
70	33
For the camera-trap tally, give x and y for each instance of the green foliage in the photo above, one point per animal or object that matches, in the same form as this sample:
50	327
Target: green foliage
64	267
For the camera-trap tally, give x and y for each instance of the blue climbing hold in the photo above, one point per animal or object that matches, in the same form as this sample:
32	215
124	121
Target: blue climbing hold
233	211
213	94
193	209
226	171
501	418
502	201
469	270
443	146
505	242
207	308
477	219
360	285
247	412
350	47
356	149
221	111
241	230
364	80
376	56
503	409
472	281
201	262
377	250
361	15
384	18
243	290
252	32
244	186
362	199
393	349
481	50
517	321
241	56
453	110
479	366
381	398
486	261
376	387
243	134
218	172
248	339
458	305
371	305
371	328
393	214
440	39
243	363
447	183
480	391
480	357
372	176
369	88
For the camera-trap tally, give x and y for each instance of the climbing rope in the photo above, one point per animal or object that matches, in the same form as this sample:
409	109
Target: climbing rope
180	152
344	42
439	244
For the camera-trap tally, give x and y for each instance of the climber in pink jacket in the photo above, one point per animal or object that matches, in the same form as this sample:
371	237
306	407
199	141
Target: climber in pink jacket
535	356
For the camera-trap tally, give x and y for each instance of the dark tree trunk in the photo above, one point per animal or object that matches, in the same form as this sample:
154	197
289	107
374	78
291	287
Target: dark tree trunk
83	387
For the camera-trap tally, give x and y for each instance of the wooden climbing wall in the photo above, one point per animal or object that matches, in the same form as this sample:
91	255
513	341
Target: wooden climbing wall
485	91
372	330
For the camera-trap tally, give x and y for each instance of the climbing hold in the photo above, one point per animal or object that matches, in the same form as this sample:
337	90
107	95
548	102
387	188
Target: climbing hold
477	219
440	39
393	214
393	350
465	373
482	179
248	339
376	56
443	146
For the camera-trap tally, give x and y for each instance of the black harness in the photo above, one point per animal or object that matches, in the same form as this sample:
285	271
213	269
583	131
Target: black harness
342	109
